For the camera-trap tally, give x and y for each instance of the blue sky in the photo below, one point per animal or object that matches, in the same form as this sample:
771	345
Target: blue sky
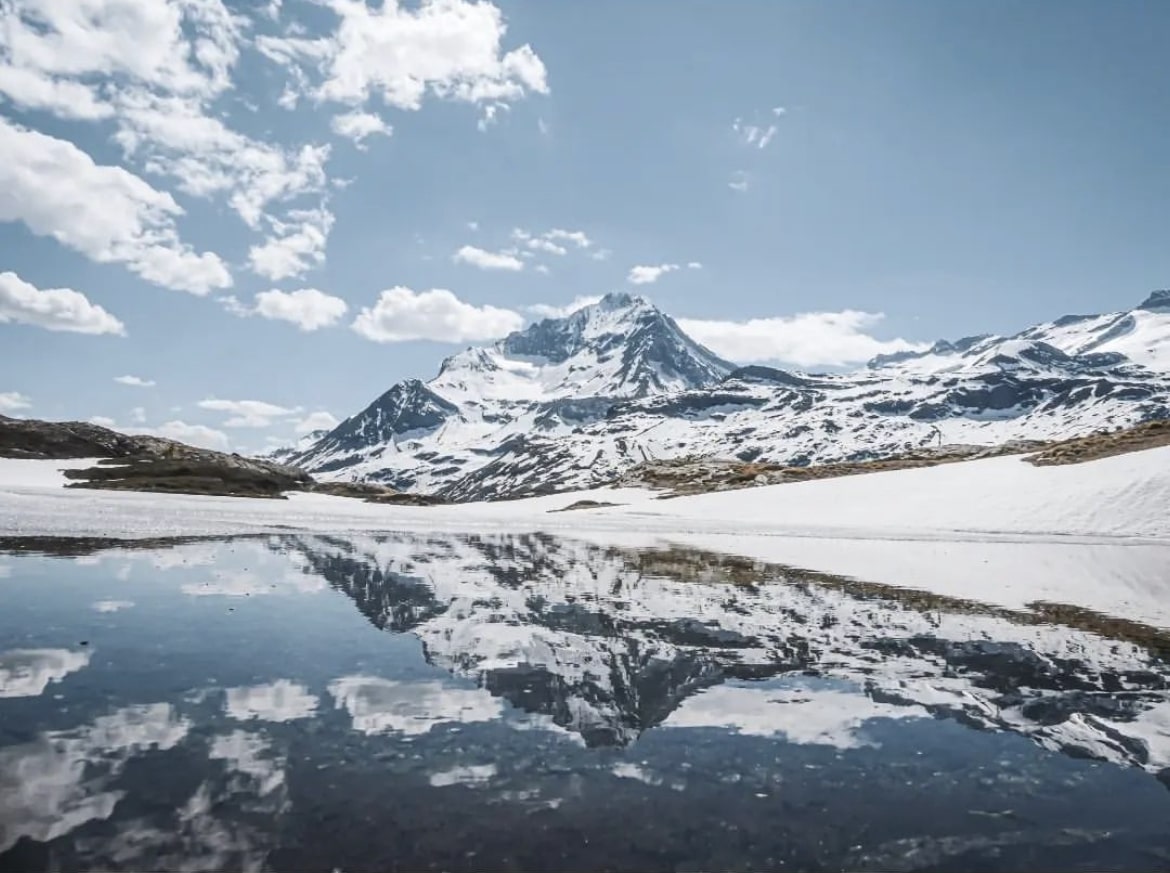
274	210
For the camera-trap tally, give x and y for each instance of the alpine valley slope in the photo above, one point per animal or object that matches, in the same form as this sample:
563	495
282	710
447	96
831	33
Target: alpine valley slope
574	402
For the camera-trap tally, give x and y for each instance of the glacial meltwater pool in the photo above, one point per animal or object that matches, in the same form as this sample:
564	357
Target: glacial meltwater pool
524	702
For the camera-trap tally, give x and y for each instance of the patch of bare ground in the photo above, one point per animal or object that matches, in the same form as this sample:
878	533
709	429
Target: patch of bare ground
584	504
683	476
1151	435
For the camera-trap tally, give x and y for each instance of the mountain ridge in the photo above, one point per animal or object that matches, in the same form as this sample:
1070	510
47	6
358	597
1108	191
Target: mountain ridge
576	401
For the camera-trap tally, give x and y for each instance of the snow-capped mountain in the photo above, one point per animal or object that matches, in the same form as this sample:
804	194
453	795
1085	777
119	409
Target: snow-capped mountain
574	402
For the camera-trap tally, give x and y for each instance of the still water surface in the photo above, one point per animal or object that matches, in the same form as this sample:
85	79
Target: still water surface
407	702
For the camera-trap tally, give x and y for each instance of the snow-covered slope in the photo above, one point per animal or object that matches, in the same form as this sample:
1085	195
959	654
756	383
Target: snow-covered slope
574	402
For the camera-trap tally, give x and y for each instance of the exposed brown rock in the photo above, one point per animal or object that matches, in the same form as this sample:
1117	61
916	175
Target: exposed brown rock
1151	435
683	476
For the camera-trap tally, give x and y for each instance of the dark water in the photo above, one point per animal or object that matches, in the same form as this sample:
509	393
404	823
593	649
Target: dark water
531	703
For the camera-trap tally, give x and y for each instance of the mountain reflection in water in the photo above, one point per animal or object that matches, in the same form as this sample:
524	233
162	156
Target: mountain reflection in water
532	702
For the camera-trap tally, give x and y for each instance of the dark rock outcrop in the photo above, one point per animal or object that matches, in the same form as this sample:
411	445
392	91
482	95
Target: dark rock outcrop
146	463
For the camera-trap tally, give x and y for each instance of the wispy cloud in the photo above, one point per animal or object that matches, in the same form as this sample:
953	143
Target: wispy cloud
134	381
648	274
249	413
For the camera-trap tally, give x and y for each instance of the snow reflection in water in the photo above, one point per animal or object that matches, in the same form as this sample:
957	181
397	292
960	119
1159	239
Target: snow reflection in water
520	700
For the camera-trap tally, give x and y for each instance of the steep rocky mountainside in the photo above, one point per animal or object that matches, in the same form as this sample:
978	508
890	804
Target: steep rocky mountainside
578	401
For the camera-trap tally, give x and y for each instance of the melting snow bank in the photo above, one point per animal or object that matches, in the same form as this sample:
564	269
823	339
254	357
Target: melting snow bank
1127	496
19	473
1094	535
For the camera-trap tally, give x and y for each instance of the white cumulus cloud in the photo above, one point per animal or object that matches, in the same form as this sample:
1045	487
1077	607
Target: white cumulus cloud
486	260
32	89
154	68
308	308
145	41
134	381
810	339
13	401
358	125
401	314
105	212
646	275
449	49
61	309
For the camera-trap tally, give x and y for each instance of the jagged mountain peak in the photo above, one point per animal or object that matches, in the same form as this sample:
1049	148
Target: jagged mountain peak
614	317
621	346
1158	301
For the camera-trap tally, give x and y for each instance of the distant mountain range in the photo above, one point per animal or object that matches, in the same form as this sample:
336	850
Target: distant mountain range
574	402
